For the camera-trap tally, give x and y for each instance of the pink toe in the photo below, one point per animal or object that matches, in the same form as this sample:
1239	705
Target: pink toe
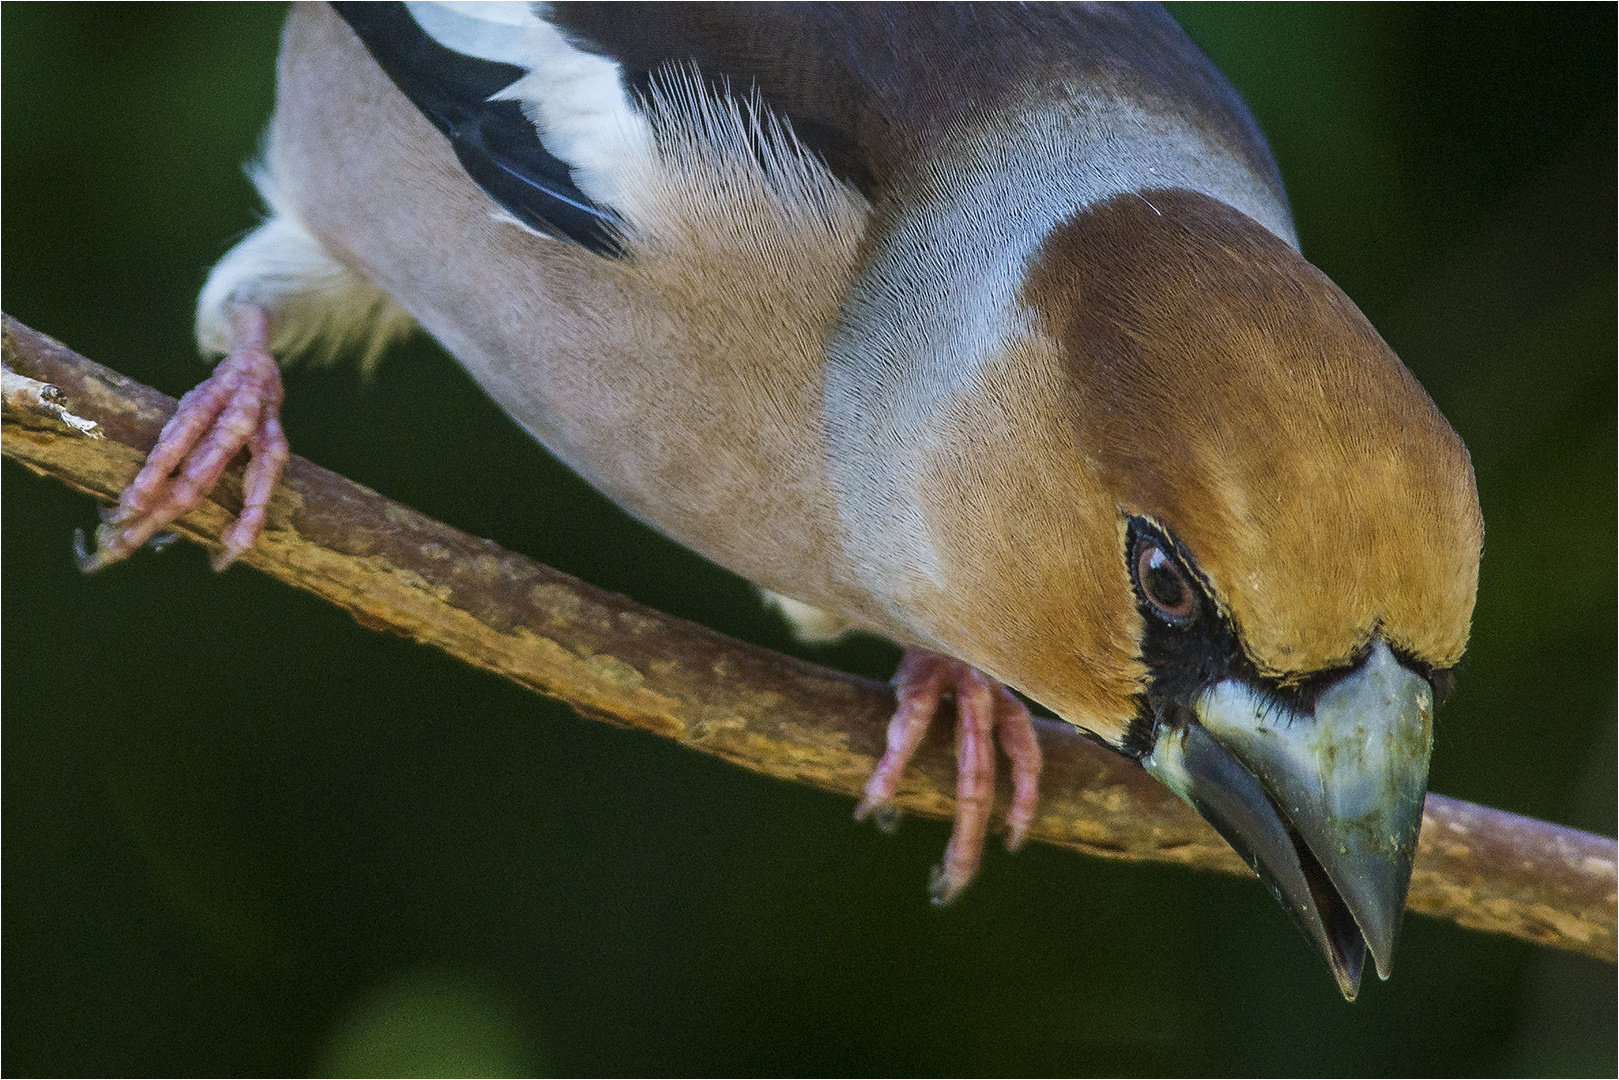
918	686
1015	727
987	713
975	782
236	407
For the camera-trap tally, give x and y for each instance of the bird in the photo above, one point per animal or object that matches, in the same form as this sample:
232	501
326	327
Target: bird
984	329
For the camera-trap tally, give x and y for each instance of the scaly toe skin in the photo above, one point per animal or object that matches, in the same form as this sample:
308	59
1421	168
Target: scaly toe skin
1015	729
269	457
238	406
919	684
985	711
976	700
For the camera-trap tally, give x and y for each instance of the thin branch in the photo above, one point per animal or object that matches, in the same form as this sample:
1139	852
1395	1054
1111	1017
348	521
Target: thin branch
613	660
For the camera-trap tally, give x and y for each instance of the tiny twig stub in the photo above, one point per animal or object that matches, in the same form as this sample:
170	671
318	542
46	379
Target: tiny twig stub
613	659
31	395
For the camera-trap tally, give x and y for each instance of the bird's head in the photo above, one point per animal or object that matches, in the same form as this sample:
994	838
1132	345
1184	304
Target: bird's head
1255	566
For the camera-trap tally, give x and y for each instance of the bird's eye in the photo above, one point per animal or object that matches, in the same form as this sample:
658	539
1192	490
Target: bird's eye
1164	584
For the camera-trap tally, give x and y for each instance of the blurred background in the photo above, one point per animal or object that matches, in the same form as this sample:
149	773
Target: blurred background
244	835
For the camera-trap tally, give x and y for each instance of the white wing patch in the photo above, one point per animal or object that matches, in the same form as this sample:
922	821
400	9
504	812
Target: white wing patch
685	169
717	198
575	98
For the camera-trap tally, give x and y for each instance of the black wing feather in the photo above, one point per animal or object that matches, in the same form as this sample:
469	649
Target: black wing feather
873	88
496	144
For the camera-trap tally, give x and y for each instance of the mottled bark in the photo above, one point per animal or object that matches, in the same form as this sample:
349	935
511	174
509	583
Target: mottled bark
613	660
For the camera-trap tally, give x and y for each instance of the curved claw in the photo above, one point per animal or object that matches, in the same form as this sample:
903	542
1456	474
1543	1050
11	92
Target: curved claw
983	708
237	406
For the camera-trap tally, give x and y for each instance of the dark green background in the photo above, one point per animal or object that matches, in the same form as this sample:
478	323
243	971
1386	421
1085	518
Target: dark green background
244	835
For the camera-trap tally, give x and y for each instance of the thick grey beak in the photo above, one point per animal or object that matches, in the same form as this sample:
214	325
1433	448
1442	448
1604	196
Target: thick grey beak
1325	806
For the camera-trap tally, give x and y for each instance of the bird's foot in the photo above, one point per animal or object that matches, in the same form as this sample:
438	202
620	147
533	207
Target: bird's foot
983	708
238	405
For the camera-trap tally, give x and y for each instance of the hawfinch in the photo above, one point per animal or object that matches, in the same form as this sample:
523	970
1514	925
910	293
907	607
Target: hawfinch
984	329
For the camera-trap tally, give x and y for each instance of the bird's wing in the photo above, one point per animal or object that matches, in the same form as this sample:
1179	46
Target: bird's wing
454	65
546	104
874	87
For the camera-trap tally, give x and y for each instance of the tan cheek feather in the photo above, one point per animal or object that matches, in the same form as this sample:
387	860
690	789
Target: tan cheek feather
1037	592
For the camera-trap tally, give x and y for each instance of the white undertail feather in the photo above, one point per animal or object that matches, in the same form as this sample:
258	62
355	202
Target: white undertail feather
810	625
317	305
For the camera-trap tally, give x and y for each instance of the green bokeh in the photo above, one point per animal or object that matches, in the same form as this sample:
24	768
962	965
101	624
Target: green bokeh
238	828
